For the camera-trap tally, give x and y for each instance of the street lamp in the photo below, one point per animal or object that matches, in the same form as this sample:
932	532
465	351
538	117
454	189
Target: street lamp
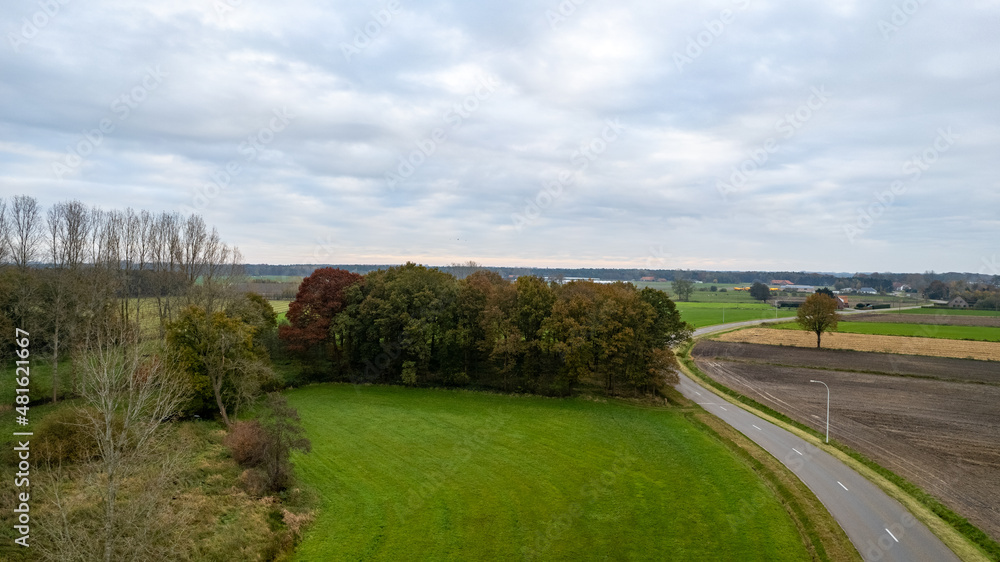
827	409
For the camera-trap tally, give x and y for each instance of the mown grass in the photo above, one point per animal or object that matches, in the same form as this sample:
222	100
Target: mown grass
452	475
937	331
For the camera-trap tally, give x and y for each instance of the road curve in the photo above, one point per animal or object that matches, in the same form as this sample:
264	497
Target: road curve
879	526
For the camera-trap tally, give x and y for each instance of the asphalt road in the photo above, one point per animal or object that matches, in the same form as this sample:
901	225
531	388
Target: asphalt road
880	528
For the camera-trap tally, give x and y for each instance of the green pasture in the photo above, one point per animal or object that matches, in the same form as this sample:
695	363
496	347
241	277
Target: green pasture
709	314
950	312
974	333
417	474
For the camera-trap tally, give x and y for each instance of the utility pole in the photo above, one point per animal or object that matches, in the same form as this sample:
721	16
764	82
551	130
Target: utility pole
827	409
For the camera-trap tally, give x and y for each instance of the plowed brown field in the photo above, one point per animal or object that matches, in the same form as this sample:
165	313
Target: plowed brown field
983	351
941	433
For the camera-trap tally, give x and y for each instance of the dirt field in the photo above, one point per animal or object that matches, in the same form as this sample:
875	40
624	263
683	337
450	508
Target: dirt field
877	363
935	319
943	435
984	351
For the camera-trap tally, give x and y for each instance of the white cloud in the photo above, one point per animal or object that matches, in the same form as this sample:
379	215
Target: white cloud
320	182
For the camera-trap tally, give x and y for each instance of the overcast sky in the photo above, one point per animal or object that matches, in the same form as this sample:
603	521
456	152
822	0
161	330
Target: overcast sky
742	134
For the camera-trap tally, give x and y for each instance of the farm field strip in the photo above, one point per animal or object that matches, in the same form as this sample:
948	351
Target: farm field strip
981	350
945	368
434	474
941	319
951	312
971	333
710	314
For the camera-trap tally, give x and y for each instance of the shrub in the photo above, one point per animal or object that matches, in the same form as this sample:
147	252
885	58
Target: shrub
263	447
62	437
248	442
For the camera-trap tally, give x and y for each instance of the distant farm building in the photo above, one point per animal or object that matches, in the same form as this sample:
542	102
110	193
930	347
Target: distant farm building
842	302
780	282
958	302
647	278
867	291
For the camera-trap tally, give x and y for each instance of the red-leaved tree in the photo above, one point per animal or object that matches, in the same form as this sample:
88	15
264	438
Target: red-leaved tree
321	296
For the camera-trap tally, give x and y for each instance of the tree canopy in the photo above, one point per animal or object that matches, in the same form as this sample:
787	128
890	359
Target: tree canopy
683	288
420	326
818	314
760	291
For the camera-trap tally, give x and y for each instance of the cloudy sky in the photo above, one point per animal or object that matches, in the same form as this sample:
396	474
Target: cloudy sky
735	134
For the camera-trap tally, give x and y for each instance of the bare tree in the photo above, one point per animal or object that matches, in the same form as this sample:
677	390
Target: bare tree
4	232
126	397
25	230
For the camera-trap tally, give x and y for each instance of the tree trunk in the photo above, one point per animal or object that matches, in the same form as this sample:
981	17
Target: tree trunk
818	335
217	389
55	362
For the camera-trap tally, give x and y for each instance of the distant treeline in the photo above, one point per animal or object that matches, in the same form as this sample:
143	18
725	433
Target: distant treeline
422	326
917	280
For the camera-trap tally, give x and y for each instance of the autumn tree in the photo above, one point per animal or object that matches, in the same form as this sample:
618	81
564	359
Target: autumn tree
534	300
818	314
406	317
320	297
683	289
218	354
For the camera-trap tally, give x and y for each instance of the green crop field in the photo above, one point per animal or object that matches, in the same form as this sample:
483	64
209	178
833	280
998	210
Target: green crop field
277	278
709	314
415	474
280	308
974	333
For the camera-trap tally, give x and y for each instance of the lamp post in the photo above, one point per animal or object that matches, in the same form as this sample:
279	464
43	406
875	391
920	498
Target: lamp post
827	409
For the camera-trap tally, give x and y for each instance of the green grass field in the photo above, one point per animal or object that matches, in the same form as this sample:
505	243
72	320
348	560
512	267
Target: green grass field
709	314
973	333
449	475
951	312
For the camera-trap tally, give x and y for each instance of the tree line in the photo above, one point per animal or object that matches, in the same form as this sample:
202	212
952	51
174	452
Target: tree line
66	270
415	325
138	317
